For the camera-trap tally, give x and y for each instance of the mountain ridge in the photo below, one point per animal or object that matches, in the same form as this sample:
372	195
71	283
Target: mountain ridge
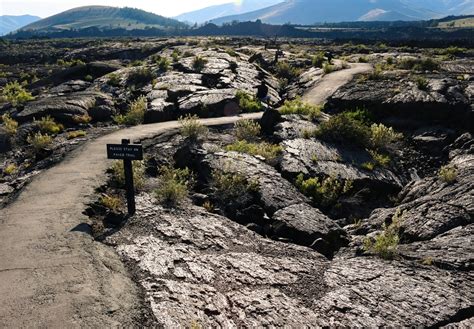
308	12
10	23
104	17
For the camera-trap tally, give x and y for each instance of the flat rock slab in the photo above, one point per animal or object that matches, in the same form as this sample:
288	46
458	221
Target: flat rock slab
202	268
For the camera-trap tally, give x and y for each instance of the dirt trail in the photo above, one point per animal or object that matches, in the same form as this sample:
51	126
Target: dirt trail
52	273
328	85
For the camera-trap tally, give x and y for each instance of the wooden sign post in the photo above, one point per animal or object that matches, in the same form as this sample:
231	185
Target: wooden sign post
128	153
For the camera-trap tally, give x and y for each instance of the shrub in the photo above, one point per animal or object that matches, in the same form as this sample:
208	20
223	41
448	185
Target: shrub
208	206
360	114
135	114
381	160
175	55
114	80
228	186
174	185
344	128
416	64
137	63
363	59
422	83
111	202
381	136
323	192
448	174
118	174
385	244
318	60
297	106
163	64
370	166
265	150
192	128
247	102
376	74
328	68
39	141
231	52
71	63
285	71
10	169
82	119
89	78
10	125
140	76
47	125
76	134
199	63
247	129
14	93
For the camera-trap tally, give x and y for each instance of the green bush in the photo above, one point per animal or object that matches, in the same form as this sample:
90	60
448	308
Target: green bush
71	63
174	185
14	93
140	76
247	102
422	83
297	106
381	136
323	192
47	125
363	59
192	128
199	63
175	55
76	134
448	174
163	64
417	64
10	125
360	114
39	141
228	186
385	244
111	202
344	128
284	70
114	80
118	174
89	78
247	130
328	68
268	151
135	114
381	160
318	60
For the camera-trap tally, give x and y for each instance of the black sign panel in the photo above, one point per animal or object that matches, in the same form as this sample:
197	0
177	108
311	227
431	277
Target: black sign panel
125	152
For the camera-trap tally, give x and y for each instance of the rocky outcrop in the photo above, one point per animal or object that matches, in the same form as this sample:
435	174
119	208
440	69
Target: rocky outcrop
203	269
444	101
316	158
65	108
305	225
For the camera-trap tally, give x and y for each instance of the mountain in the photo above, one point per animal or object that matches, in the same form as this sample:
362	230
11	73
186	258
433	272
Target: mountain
316	11
104	18
11	23
227	9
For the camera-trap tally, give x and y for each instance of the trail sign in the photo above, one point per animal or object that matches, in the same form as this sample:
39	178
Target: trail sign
127	152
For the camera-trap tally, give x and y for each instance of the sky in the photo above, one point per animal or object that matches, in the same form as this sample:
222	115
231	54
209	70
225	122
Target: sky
45	8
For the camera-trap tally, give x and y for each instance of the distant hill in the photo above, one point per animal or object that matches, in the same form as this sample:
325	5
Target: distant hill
307	12
104	18
232	8
11	23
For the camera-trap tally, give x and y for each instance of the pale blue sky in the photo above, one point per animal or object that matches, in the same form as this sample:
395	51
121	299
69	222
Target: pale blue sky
44	8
